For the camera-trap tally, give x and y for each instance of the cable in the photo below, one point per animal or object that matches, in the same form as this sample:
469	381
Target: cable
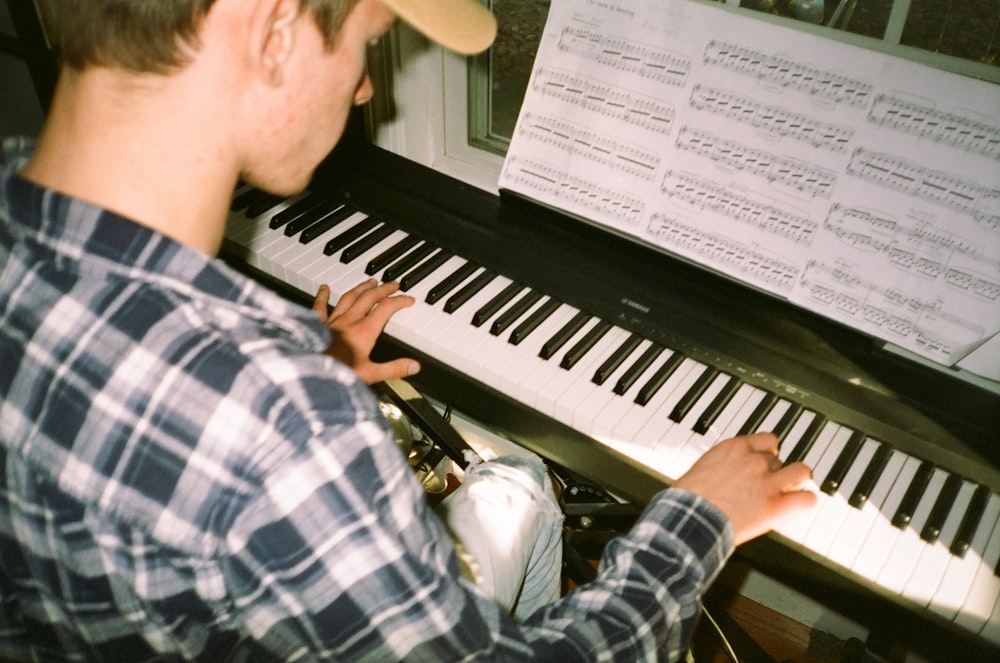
722	637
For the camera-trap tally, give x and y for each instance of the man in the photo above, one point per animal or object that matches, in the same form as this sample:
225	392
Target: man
184	474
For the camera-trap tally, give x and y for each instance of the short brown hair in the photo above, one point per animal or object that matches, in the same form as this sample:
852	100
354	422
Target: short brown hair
148	35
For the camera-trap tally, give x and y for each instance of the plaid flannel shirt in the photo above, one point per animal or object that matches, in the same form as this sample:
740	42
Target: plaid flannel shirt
185	476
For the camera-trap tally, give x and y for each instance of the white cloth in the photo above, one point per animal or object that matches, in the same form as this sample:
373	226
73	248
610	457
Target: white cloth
508	528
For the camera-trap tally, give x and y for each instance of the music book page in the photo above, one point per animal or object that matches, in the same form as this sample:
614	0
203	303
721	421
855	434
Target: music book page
858	185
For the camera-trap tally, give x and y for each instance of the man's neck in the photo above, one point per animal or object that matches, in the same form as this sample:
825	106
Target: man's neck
152	148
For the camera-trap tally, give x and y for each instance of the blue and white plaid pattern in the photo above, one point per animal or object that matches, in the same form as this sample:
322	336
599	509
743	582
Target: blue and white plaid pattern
184	476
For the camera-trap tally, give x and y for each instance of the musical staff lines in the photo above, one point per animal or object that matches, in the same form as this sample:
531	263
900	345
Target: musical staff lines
953	191
946	128
922	250
704	194
589	195
612	102
577	140
901	314
861	229
713	249
786	73
650	62
773	120
787	173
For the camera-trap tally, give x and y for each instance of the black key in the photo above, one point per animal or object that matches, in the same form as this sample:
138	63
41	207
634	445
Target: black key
300	206
758	415
349	235
540	315
468	291
970	521
451	282
661	375
843	463
490	308
407	262
309	217
634	371
387	257
913	494
718	404
870	476
246	198
514	313
262	205
787	421
584	345
362	246
425	269
323	225
554	344
692	395
611	364
942	507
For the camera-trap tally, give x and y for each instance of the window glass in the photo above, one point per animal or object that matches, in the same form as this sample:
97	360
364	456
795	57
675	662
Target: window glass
968	29
512	56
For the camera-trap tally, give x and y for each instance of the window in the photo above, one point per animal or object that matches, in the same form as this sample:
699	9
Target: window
457	114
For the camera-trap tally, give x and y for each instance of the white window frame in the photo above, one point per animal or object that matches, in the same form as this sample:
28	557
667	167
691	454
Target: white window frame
420	110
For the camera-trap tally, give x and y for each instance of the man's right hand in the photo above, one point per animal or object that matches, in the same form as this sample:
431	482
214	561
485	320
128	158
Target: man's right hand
744	479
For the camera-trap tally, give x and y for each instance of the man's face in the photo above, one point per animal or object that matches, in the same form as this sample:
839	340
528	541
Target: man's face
321	85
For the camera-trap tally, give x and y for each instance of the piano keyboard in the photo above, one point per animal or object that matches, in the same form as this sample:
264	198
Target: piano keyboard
911	527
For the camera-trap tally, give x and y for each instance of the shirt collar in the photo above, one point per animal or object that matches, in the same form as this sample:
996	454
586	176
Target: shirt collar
90	238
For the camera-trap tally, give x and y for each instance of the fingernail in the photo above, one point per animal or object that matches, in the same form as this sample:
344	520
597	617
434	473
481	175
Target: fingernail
413	368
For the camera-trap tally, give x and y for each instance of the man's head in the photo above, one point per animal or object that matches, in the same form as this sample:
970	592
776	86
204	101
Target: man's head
150	37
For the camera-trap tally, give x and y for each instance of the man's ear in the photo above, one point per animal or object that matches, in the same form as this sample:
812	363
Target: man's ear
273	25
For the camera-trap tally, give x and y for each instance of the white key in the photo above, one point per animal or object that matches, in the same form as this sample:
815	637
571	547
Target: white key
935	557
835	510
615	411
625	435
527	360
749	405
774	416
532	383
506	366
957	580
978	609
881	537
408	325
853	533
600	398
459	342
908	546
341	277
799	429
579	384
715	432
656	427
821	458
283	254
682	445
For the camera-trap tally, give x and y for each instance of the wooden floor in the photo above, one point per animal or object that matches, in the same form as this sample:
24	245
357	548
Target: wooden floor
758	634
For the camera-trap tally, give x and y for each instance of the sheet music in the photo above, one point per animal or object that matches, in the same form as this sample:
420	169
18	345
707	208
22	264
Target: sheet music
855	184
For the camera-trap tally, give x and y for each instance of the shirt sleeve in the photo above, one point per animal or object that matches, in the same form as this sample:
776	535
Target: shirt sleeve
339	558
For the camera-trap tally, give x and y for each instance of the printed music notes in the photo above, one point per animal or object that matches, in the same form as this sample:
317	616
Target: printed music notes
855	184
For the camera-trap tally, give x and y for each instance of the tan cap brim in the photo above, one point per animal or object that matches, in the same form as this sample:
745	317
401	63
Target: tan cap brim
463	26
